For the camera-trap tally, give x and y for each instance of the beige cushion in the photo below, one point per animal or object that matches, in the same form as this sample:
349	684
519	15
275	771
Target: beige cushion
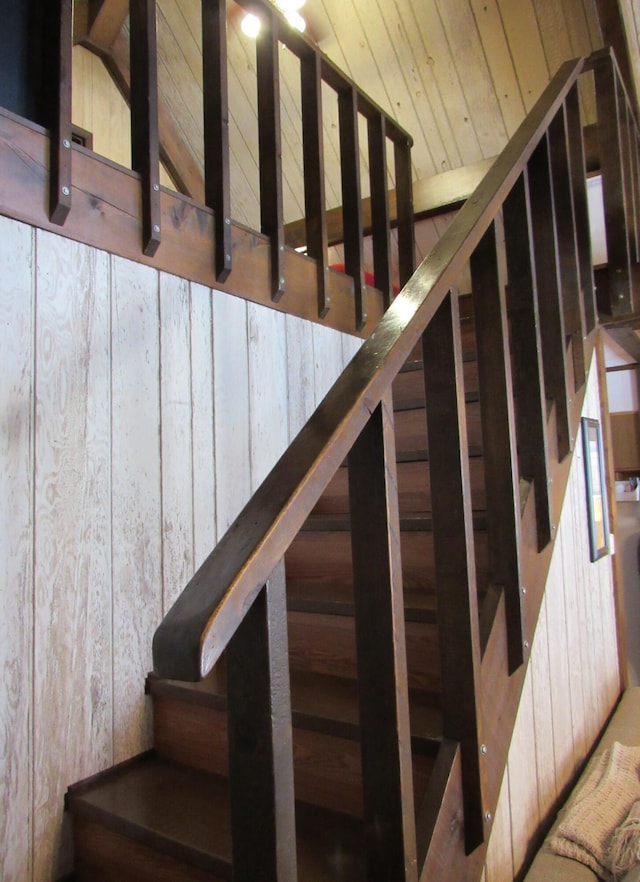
625	728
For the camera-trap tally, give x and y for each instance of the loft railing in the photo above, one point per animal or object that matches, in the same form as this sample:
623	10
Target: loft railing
525	233
315	69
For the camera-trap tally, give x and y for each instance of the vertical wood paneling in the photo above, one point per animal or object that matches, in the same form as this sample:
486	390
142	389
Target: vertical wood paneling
327	355
202	421
573	681
72	511
137	578
267	349
16	549
176	444
523	785
301	398
543	715
499	862
231	396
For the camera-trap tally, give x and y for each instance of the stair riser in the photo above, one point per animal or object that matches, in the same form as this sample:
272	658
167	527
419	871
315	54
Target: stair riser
414	493
325	644
411	428
326	767
409	385
102	855
325	556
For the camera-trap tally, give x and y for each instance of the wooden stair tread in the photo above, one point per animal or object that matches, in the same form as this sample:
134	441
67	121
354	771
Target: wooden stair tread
333	599
409	522
183	812
320	703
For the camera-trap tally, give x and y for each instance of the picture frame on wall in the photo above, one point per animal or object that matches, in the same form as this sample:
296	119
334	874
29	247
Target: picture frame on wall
597	508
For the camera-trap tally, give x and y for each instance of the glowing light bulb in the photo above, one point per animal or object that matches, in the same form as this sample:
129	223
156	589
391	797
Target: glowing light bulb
290	5
296	20
250	25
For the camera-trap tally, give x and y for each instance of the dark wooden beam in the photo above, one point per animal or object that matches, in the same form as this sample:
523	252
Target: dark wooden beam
613	34
435	195
627	339
105	20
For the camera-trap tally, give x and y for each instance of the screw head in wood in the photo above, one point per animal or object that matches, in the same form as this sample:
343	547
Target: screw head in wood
156	228
156	186
65	191
66	143
487	817
483	749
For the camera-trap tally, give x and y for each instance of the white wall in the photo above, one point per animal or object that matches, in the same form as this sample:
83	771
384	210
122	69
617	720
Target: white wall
572	681
138	412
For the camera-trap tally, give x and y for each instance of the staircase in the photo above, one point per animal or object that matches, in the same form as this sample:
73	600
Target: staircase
367	739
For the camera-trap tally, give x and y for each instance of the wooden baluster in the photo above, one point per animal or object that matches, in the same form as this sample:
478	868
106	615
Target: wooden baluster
145	150
404	211
635	178
260	742
454	554
380	222
567	244
581	206
351	198
630	174
60	124
382	667
522	300
498	435
217	184
314	183
270	147
619	298
550	306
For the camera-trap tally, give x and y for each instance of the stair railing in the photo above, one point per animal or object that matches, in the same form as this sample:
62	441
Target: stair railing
526	224
315	69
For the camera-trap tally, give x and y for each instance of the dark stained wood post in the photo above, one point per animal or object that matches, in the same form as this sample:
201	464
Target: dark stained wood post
351	198
567	243
260	742
528	382
380	223
620	295
217	184
552	327
382	665
145	149
60	124
270	147
404	211
313	161
455	569
581	206
498	435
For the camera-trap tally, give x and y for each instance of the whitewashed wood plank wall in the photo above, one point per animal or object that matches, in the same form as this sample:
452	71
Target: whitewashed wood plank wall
572	682
138	413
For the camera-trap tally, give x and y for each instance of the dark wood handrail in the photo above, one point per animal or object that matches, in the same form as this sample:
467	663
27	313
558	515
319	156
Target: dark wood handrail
202	621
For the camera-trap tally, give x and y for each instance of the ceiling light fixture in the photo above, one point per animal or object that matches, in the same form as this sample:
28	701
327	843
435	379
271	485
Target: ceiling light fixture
250	25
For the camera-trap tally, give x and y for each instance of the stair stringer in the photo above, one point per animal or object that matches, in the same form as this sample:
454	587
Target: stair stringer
441	821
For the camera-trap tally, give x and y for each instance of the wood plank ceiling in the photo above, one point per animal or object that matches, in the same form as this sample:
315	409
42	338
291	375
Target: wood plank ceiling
459	75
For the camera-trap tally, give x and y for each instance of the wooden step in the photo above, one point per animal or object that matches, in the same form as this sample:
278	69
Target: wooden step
332	599
323	556
411	427
414	485
158	821
190	727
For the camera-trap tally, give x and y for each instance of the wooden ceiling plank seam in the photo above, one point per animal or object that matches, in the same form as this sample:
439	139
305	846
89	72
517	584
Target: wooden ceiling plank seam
382	32
488	123
523	34
106	18
449	87
402	62
437	113
500	63
580	44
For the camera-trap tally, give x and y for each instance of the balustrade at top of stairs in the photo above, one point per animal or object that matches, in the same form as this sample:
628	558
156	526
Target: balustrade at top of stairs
330	723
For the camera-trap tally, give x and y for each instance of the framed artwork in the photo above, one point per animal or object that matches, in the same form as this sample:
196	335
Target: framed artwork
597	511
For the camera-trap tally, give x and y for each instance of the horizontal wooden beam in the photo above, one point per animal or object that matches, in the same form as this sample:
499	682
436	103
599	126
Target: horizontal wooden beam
107	214
431	196
628	340
434	195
